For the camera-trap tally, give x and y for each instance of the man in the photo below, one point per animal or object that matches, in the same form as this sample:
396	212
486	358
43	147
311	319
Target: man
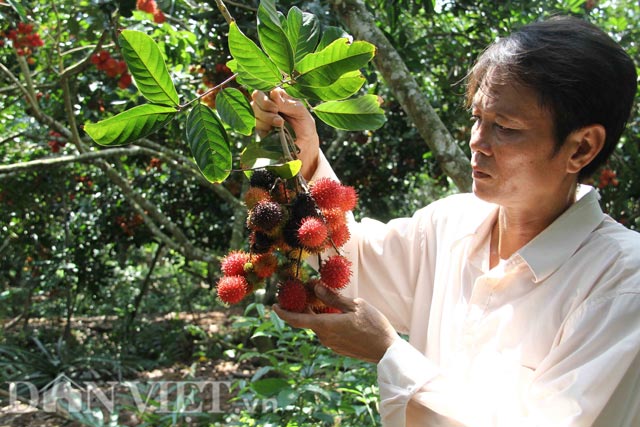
522	300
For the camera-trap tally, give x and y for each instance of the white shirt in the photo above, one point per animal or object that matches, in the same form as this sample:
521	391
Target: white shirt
549	337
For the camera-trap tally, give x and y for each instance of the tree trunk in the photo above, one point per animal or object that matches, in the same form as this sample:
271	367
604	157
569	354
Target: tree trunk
451	158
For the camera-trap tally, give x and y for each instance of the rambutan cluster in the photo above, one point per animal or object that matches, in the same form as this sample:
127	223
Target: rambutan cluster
150	6
113	68
25	40
288	222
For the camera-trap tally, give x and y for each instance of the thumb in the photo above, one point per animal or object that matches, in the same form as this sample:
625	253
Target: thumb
333	299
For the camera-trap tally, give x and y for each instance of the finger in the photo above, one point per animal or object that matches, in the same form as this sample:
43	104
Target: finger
286	104
297	320
263	102
333	299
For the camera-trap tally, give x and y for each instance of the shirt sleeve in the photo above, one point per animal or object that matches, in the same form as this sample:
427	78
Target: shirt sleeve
598	350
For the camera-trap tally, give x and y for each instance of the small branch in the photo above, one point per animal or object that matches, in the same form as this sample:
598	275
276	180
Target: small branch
31	94
15	81
186	165
224	11
61	160
286	141
83	63
207	92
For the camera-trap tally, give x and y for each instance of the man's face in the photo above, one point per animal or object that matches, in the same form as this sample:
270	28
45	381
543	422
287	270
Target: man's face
513	148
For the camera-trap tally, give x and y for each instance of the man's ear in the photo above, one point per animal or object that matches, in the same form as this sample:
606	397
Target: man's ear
585	144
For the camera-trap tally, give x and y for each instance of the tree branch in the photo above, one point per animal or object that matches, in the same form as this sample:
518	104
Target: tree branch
404	86
224	11
186	165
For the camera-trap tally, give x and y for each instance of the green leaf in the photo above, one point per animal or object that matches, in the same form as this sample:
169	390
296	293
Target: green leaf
209	143
325	67
272	36
253	66
287	170
363	113
235	110
303	31
146	64
286	397
347	85
268	387
261	153
130	125
19	10
329	35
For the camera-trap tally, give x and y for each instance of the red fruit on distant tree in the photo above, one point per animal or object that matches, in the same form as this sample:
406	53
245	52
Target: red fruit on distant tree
232	289
292	296
125	81
158	17
148	6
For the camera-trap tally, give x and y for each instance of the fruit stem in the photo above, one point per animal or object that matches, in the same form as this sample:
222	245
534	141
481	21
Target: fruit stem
286	141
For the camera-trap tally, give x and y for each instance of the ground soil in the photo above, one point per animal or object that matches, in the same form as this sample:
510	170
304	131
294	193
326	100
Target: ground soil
202	371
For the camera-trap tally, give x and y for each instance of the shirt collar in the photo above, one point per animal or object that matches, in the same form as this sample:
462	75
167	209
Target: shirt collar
560	240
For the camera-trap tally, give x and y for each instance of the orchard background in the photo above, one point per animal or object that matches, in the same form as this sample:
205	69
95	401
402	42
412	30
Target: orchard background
109	256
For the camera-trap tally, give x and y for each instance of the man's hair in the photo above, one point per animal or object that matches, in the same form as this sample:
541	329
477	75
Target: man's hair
579	73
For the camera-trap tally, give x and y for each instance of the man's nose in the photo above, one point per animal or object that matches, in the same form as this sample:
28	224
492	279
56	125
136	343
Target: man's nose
479	140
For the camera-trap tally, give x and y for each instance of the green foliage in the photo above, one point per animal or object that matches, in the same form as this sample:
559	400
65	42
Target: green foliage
301	382
209	143
133	124
147	66
73	243
275	64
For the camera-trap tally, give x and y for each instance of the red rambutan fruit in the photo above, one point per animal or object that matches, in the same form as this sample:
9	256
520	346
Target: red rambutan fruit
312	300
348	198
312	233
334	218
335	272
265	265
233	263
327	310
254	195
232	289
340	235
292	296
327	193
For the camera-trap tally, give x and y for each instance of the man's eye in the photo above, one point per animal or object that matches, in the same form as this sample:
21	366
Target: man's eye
503	128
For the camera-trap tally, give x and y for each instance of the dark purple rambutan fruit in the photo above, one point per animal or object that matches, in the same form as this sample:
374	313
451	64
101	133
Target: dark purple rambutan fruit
290	234
265	216
303	206
260	242
262	178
